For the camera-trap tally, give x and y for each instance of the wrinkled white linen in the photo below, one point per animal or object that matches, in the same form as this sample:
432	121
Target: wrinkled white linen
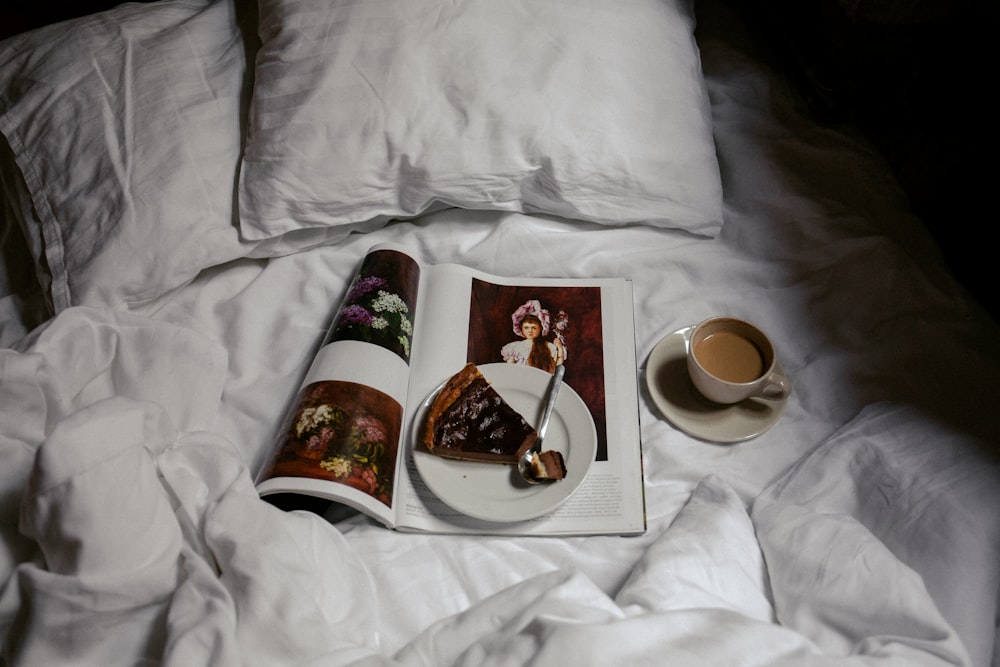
129	530
149	534
925	491
155	536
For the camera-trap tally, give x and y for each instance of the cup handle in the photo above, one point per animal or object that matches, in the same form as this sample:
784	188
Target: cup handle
776	388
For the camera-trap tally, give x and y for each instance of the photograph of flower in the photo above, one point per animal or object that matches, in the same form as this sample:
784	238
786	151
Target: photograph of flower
379	305
342	432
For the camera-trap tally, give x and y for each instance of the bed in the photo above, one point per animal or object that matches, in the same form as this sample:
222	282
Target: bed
188	187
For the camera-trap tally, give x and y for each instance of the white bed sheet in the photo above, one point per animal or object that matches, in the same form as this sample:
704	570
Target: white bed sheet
134	532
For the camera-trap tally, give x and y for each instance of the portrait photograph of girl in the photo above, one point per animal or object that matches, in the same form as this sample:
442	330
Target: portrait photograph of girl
533	324
543	327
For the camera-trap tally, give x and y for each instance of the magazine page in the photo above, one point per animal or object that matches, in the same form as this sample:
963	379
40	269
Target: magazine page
341	441
586	325
352	435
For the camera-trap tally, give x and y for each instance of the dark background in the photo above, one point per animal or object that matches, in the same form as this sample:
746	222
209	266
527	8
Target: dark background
17	17
916	77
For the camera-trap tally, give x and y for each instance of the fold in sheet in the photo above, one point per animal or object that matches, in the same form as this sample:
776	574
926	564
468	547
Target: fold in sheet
894	480
151	534
79	358
684	608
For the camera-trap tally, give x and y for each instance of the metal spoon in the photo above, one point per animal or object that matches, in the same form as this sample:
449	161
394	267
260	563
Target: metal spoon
524	463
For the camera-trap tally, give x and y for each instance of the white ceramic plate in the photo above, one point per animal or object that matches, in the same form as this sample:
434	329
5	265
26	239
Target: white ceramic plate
674	394
496	492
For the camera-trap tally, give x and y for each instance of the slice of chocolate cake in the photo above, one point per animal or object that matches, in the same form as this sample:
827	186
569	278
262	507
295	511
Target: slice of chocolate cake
469	420
548	465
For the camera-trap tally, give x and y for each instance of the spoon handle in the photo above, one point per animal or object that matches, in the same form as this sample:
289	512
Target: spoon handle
550	402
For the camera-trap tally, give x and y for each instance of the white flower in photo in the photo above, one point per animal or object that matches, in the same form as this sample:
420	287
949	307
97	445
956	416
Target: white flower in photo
388	302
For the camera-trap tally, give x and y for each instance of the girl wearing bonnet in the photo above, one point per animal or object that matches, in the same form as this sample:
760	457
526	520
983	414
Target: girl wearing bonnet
532	324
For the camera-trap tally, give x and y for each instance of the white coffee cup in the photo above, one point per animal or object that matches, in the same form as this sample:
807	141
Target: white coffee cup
730	360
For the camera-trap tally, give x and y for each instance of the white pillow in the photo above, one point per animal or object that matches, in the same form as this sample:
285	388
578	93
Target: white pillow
368	110
124	128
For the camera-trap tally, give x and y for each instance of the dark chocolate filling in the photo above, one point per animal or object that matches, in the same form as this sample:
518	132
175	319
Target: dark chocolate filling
481	422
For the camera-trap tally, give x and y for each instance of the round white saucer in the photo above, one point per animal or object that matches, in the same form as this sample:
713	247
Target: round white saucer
674	394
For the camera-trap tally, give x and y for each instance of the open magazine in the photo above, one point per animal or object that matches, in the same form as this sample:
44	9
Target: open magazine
353	435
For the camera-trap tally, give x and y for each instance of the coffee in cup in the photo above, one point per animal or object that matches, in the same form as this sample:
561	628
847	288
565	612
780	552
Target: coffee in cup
730	360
